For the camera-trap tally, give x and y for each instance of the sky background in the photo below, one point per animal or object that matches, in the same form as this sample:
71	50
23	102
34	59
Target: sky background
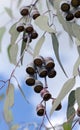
26	113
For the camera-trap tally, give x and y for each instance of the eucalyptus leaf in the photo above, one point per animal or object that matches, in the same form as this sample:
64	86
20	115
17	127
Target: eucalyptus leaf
56	50
9	101
78	48
38	46
19	2
68	85
51	2
12	53
15	127
9	12
23	46
2	31
76	30
75	67
71	98
66	126
2	97
77	42
42	23
70	114
77	95
8	116
14	33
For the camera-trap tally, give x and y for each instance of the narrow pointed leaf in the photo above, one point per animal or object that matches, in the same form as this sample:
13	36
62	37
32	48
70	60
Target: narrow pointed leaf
15	127
2	31
38	46
23	46
56	50
12	53
75	67
8	116
42	23
9	12
14	33
77	95
68	85
71	99
78	48
70	114
23	93
66	126
19	2
76	30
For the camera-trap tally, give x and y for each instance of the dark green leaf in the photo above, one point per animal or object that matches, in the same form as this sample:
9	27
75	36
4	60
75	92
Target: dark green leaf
77	95
56	50
14	33
70	114
2	31
23	46
66	126
9	12
71	99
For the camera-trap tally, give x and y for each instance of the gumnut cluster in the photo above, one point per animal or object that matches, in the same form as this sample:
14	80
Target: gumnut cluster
41	68
24	25
71	9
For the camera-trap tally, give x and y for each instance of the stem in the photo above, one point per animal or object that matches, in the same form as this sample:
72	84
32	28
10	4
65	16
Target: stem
75	123
50	122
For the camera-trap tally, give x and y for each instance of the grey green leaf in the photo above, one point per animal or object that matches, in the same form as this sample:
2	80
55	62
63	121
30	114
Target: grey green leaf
68	85
2	31
75	67
38	46
12	53
9	12
66	126
77	95
56	50
42	23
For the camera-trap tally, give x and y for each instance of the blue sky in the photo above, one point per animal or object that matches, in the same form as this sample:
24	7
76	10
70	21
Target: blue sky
23	112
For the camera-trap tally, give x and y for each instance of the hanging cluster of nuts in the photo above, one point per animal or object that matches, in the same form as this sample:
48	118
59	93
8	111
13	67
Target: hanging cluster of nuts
71	9
28	13
41	67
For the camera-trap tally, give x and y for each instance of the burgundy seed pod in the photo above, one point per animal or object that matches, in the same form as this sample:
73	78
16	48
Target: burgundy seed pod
51	73
34	35
40	110
38	60
29	28
78	112
24	10
30	69
20	27
38	86
45	94
77	14
49	63
65	7
69	17
30	80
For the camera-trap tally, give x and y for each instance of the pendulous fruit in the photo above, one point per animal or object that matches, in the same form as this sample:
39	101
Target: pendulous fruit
42	71
24	10
30	69
29	28
69	17
30	80
20	27
51	73
45	94
38	60
35	13
77	14
34	34
65	7
49	63
38	86
40	110
75	3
